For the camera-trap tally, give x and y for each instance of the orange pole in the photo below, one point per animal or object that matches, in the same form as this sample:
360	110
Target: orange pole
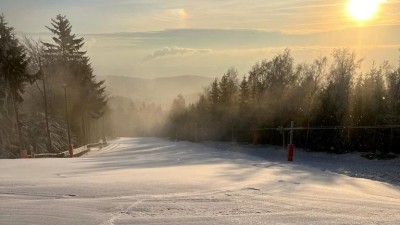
71	151
290	152
23	154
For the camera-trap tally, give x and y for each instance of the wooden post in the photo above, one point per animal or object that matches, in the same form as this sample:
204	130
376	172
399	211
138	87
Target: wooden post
291	132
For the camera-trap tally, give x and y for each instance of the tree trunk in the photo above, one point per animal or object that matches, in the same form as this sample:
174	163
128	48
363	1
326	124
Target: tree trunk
103	135
83	129
87	119
46	113
21	145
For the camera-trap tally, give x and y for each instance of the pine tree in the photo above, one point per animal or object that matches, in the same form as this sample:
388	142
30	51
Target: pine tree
228	88
214	96
66	46
393	83
244	93
92	97
177	116
72	67
13	75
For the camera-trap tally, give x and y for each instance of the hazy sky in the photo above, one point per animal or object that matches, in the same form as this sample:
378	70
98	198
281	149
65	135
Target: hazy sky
153	38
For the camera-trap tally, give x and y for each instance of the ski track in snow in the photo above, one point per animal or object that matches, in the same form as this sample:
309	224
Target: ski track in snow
117	215
156	181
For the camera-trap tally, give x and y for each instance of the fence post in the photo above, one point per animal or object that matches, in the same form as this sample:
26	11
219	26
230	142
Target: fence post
291	146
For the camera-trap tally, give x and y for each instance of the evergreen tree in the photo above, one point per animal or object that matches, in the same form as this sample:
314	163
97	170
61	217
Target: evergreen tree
213	96
393	86
228	88
72	67
244	94
178	117
203	109
66	46
13	78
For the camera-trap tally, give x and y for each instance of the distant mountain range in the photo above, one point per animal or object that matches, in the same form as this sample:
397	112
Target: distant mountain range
159	90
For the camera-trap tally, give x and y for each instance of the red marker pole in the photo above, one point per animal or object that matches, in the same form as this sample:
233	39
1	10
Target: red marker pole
23	154
71	151
290	152
291	146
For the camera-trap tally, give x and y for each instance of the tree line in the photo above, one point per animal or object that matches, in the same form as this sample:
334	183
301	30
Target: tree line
126	118
320	94
49	94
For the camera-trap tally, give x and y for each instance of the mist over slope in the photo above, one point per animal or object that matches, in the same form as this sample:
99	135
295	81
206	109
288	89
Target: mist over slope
159	90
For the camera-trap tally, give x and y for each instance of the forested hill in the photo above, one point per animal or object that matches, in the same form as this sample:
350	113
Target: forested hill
50	98
159	90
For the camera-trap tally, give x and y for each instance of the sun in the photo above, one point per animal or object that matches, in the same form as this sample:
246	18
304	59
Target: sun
363	9
182	13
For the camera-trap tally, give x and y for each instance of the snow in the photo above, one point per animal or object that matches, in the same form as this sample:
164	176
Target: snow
156	181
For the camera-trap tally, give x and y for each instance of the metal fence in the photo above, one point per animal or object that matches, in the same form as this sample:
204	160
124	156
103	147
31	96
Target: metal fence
77	152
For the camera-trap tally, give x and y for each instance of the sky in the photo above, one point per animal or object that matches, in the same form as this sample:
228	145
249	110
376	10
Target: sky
158	38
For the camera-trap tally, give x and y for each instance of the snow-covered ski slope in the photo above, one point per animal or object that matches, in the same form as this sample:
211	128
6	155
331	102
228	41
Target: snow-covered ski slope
155	181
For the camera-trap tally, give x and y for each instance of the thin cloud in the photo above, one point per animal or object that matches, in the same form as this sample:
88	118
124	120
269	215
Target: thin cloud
174	51
292	16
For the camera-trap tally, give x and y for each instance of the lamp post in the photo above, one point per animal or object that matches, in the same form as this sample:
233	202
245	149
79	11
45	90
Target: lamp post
70	147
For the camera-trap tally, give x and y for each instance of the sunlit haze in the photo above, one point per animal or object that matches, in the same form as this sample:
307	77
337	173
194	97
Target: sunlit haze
363	10
199	112
135	35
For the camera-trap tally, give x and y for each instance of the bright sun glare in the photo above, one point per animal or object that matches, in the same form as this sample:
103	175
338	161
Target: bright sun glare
363	9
